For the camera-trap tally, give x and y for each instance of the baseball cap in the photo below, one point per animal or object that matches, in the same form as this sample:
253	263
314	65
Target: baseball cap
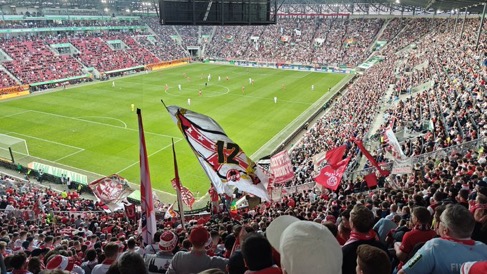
168	241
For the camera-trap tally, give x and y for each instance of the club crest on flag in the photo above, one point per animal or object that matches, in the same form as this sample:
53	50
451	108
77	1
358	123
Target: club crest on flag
331	176
223	160
111	189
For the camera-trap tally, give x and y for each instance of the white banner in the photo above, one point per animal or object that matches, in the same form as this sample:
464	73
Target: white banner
281	168
402	166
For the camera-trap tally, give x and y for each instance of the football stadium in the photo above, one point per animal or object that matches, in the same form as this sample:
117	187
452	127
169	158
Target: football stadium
201	136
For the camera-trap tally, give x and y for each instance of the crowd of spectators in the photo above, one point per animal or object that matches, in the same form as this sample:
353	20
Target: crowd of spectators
453	110
347	41
6	80
406	225
432	220
333	41
33	61
349	116
28	24
168	43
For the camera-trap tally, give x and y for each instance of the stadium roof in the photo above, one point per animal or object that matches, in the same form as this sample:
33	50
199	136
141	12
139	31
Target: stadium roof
475	6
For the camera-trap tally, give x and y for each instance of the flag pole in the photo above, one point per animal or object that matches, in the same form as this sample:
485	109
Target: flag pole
178	185
148	217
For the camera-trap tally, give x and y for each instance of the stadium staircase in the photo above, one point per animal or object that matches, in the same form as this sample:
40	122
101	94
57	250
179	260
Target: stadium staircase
213	30
180	39
3	69
379	34
151	30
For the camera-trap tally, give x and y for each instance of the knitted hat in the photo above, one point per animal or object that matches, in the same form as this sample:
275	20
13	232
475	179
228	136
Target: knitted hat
306	247
199	236
168	241
60	262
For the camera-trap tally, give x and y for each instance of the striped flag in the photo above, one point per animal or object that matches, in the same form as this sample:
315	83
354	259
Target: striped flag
225	163
177	185
148	217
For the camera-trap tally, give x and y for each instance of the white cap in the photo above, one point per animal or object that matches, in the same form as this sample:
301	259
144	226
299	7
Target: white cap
305	247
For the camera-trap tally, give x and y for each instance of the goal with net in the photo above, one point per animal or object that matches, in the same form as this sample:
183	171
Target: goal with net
13	147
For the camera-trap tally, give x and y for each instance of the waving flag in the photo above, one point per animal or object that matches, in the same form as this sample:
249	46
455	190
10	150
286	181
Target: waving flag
186	194
223	160
371	180
391	139
332	157
170	213
369	157
331	176
148	217
111	190
176	183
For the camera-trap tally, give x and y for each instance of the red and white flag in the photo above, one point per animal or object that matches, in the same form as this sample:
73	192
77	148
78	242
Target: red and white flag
224	161
186	194
396	148
281	168
331	176
111	190
332	157
176	183
148	216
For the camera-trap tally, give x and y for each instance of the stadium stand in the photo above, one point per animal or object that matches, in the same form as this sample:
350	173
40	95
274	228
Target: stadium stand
95	52
434	90
34	62
7	81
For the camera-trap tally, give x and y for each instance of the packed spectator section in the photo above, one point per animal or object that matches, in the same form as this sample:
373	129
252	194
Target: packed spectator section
33	61
430	220
6	81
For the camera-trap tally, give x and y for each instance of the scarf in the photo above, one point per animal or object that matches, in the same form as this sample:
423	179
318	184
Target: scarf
474	207
465	242
357	236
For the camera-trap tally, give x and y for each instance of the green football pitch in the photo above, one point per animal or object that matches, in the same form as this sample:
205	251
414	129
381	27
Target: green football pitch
92	130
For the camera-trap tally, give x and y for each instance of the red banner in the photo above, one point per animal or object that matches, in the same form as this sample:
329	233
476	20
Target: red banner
281	168
130	211
371	180
369	157
330	177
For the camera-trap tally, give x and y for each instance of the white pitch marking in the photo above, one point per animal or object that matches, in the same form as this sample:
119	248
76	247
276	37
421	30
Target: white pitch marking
106	117
103	124
131	165
69	155
15	114
45	140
